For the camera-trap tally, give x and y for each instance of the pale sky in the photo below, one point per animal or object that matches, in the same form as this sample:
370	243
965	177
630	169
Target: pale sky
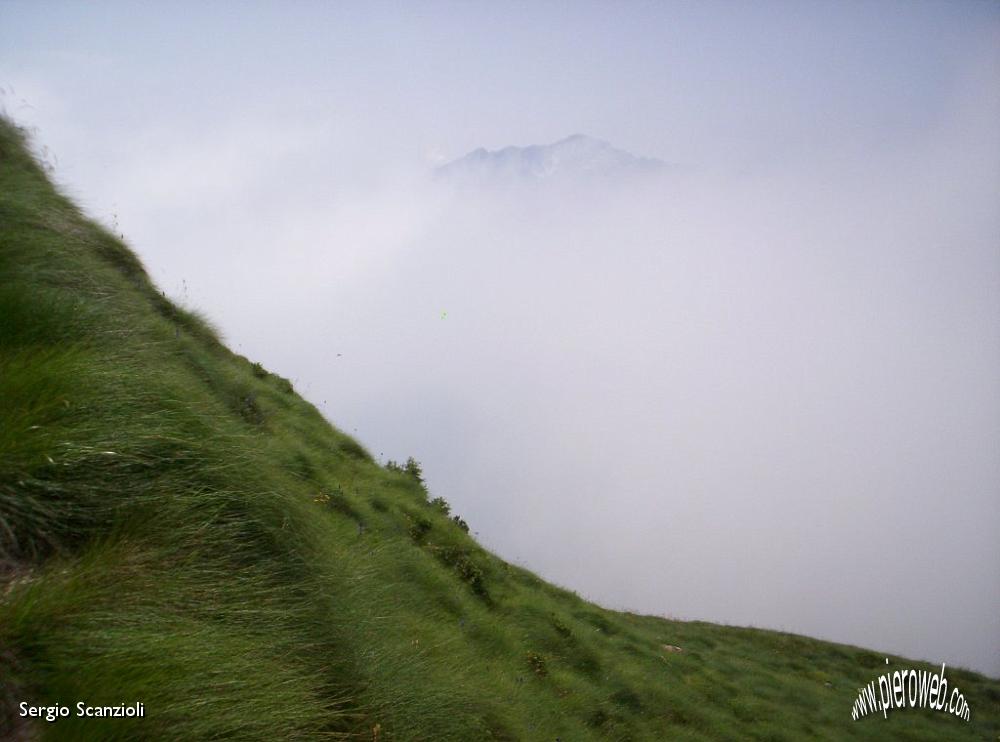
764	390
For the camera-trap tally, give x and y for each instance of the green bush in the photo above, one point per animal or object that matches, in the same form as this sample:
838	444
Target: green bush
419	528
536	663
413	468
249	409
460	560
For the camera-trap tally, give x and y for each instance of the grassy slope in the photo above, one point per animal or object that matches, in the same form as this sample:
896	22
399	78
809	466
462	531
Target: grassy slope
177	526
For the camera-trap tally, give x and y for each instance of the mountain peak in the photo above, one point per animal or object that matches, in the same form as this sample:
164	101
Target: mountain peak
574	157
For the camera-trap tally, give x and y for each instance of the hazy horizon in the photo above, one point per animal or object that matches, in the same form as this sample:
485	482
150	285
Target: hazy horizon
761	388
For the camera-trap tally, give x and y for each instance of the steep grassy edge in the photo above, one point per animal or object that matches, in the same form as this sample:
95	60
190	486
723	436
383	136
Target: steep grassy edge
178	527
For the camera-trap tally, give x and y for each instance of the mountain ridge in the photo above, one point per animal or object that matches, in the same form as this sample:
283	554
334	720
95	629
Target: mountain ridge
575	156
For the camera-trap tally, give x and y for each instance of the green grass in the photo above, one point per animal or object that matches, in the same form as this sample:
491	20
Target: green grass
179	527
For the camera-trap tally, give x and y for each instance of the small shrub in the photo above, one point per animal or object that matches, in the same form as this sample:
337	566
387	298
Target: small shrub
467	569
259	371
419	528
413	468
460	522
441	504
536	663
249	409
470	572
